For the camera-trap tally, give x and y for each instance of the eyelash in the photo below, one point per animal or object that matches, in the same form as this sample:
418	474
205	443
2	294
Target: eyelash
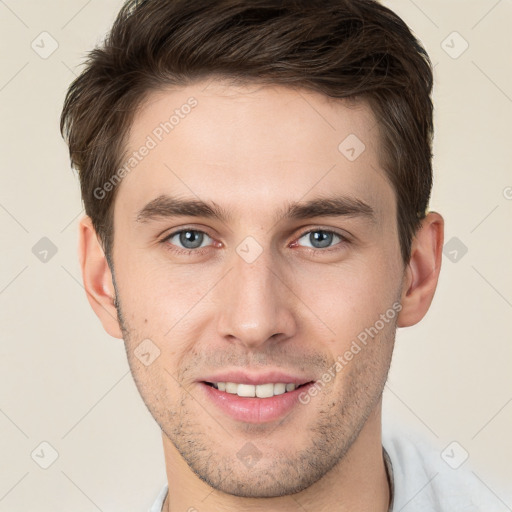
199	251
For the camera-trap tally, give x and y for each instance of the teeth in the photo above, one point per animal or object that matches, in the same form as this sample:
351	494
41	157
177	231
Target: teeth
279	389
231	387
246	390
265	390
250	390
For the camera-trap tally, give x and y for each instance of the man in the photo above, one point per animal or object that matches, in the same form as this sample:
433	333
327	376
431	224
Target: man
256	177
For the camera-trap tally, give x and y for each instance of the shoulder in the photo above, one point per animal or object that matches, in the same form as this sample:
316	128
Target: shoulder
430	478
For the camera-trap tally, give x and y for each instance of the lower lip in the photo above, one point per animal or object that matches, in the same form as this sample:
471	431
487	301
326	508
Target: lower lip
254	410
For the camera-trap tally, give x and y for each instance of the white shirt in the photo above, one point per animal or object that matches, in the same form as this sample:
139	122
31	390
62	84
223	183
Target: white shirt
426	479
422	480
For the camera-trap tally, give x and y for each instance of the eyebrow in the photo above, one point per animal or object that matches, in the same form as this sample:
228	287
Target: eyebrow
168	206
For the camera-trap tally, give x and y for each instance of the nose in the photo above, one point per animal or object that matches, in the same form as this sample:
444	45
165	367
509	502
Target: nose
256	303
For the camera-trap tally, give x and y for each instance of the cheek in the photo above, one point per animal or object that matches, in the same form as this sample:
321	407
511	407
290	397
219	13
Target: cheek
167	305
157	294
349	297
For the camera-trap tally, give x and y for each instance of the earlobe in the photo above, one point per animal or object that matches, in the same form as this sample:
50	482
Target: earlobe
97	277
422	272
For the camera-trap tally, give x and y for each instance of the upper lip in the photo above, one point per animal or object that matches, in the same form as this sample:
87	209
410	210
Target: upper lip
245	377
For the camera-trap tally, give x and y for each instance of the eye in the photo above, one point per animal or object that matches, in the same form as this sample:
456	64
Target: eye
321	238
188	239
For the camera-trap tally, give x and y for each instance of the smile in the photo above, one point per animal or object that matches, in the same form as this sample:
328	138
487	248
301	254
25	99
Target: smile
250	390
255	403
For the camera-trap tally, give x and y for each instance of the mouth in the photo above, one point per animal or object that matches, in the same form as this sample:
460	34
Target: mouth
266	390
261	402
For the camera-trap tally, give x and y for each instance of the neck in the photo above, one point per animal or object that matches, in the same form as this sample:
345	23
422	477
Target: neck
358	483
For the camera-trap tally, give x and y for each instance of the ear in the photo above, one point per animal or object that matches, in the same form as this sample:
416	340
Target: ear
422	271
97	277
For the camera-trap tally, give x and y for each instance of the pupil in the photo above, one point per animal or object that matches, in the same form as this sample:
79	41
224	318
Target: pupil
321	238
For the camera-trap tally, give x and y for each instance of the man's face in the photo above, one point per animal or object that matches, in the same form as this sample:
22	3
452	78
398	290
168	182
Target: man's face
257	297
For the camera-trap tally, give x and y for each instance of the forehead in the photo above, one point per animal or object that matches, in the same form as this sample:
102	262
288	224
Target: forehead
252	147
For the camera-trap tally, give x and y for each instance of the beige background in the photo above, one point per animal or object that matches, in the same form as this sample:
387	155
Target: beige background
64	381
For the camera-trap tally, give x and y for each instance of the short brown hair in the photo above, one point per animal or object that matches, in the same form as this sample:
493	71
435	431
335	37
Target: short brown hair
356	49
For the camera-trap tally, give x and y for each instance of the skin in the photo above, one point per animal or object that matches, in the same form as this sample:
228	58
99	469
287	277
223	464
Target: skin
295	308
